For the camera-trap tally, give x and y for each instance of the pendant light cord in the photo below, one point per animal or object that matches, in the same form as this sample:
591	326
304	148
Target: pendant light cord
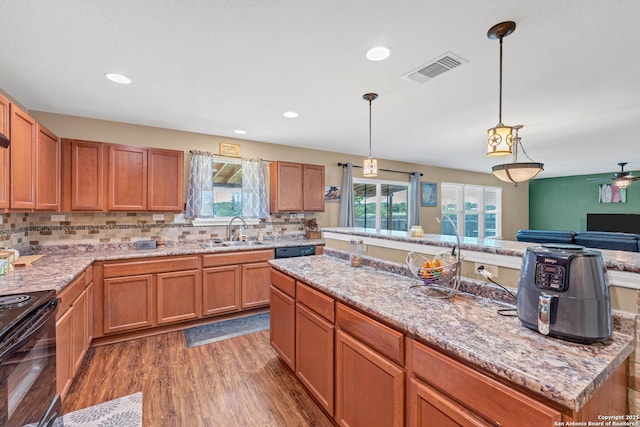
370	127
500	106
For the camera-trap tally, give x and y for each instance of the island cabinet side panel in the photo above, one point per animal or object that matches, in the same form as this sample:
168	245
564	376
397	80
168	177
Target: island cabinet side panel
478	394
282	326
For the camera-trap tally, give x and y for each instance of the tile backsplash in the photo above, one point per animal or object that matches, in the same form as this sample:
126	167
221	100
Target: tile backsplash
26	229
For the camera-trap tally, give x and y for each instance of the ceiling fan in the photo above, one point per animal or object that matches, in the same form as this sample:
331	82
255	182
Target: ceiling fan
622	179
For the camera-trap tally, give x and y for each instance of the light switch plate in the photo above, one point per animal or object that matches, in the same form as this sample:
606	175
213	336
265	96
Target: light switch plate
158	217
57	218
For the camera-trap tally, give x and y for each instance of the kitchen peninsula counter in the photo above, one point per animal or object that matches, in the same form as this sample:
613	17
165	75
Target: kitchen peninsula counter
470	329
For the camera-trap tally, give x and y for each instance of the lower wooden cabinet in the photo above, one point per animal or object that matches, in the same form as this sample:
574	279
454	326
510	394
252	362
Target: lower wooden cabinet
256	278
129	303
314	355
221	289
282	328
179	296
369	387
73	330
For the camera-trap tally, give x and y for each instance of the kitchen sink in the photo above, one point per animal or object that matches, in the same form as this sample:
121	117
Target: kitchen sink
211	245
247	243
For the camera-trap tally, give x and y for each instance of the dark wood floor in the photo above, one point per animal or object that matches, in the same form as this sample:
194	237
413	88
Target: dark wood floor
236	382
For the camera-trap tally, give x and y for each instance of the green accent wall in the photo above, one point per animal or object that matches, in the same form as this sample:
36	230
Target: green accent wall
563	203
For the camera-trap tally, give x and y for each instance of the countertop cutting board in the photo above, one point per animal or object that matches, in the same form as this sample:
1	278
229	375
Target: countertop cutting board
27	260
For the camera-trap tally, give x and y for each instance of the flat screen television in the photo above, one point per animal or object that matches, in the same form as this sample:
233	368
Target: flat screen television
621	223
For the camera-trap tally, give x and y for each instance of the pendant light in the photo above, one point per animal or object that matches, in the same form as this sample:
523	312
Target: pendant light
500	138
516	172
370	165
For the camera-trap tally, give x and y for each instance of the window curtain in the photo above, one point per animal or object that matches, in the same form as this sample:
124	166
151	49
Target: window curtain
200	183
254	189
347	207
414	200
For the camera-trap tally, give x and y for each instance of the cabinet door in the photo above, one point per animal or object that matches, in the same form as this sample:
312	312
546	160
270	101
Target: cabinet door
128	303
127	189
313	188
221	289
256	279
64	370
5	120
282	324
79	331
166	176
178	296
47	170
23	160
87	176
369	387
286	187
427	407
314	355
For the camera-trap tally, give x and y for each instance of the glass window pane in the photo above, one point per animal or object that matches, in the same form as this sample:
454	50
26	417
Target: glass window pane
393	208
364	198
227	189
471	225
490	225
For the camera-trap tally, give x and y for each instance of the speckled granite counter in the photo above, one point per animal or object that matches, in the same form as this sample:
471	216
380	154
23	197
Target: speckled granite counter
62	264
614	260
470	328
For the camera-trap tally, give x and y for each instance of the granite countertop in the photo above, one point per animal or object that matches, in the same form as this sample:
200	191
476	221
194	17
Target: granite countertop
470	328
614	260
63	263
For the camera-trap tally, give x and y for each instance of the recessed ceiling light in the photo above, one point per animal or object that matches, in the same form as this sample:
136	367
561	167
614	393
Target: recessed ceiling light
290	114
240	132
378	53
118	78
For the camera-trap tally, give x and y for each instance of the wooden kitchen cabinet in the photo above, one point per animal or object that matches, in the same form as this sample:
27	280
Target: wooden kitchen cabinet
129	303
23	159
73	330
178	296
47	179
296	187
282	320
221	289
98	176
166	175
445	388
256	278
5	129
83	175
315	332
127	185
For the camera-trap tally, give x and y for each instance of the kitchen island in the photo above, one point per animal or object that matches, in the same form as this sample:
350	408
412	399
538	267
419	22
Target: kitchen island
469	331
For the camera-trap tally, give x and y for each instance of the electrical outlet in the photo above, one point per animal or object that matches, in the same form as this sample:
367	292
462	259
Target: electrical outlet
158	217
57	218
293	216
493	269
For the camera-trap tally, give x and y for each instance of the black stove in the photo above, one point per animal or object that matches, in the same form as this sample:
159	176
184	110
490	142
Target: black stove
16	307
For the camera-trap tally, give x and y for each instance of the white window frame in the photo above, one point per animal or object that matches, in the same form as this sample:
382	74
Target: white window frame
378	183
481	211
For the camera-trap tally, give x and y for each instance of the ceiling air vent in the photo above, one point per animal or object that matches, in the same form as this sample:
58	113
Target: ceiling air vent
435	67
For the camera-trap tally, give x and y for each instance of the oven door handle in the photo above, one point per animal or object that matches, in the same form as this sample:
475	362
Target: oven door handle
28	329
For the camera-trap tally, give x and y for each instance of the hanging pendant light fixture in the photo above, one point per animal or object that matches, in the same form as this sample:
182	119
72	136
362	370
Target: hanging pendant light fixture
516	172
370	165
500	137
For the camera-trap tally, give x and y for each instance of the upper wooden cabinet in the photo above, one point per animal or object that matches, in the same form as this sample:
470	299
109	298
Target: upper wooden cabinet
99	176
166	174
5	120
296	187
47	170
23	159
127	189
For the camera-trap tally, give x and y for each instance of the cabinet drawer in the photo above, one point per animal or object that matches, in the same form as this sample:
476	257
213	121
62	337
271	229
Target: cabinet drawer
163	265
283	282
316	301
69	294
481	394
381	338
242	257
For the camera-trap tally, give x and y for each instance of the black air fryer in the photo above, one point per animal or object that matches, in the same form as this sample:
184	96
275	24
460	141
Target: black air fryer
563	292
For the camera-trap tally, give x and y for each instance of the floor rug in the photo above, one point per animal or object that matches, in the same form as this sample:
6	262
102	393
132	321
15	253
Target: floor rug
226	329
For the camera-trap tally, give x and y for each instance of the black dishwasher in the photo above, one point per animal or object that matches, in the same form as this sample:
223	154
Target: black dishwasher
294	251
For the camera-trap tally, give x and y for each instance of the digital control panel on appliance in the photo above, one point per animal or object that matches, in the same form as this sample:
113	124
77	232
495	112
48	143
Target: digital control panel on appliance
552	273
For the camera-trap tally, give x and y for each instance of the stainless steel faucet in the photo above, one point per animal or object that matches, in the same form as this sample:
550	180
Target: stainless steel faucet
244	223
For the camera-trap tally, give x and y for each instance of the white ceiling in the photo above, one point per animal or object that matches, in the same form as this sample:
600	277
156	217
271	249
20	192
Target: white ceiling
571	73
